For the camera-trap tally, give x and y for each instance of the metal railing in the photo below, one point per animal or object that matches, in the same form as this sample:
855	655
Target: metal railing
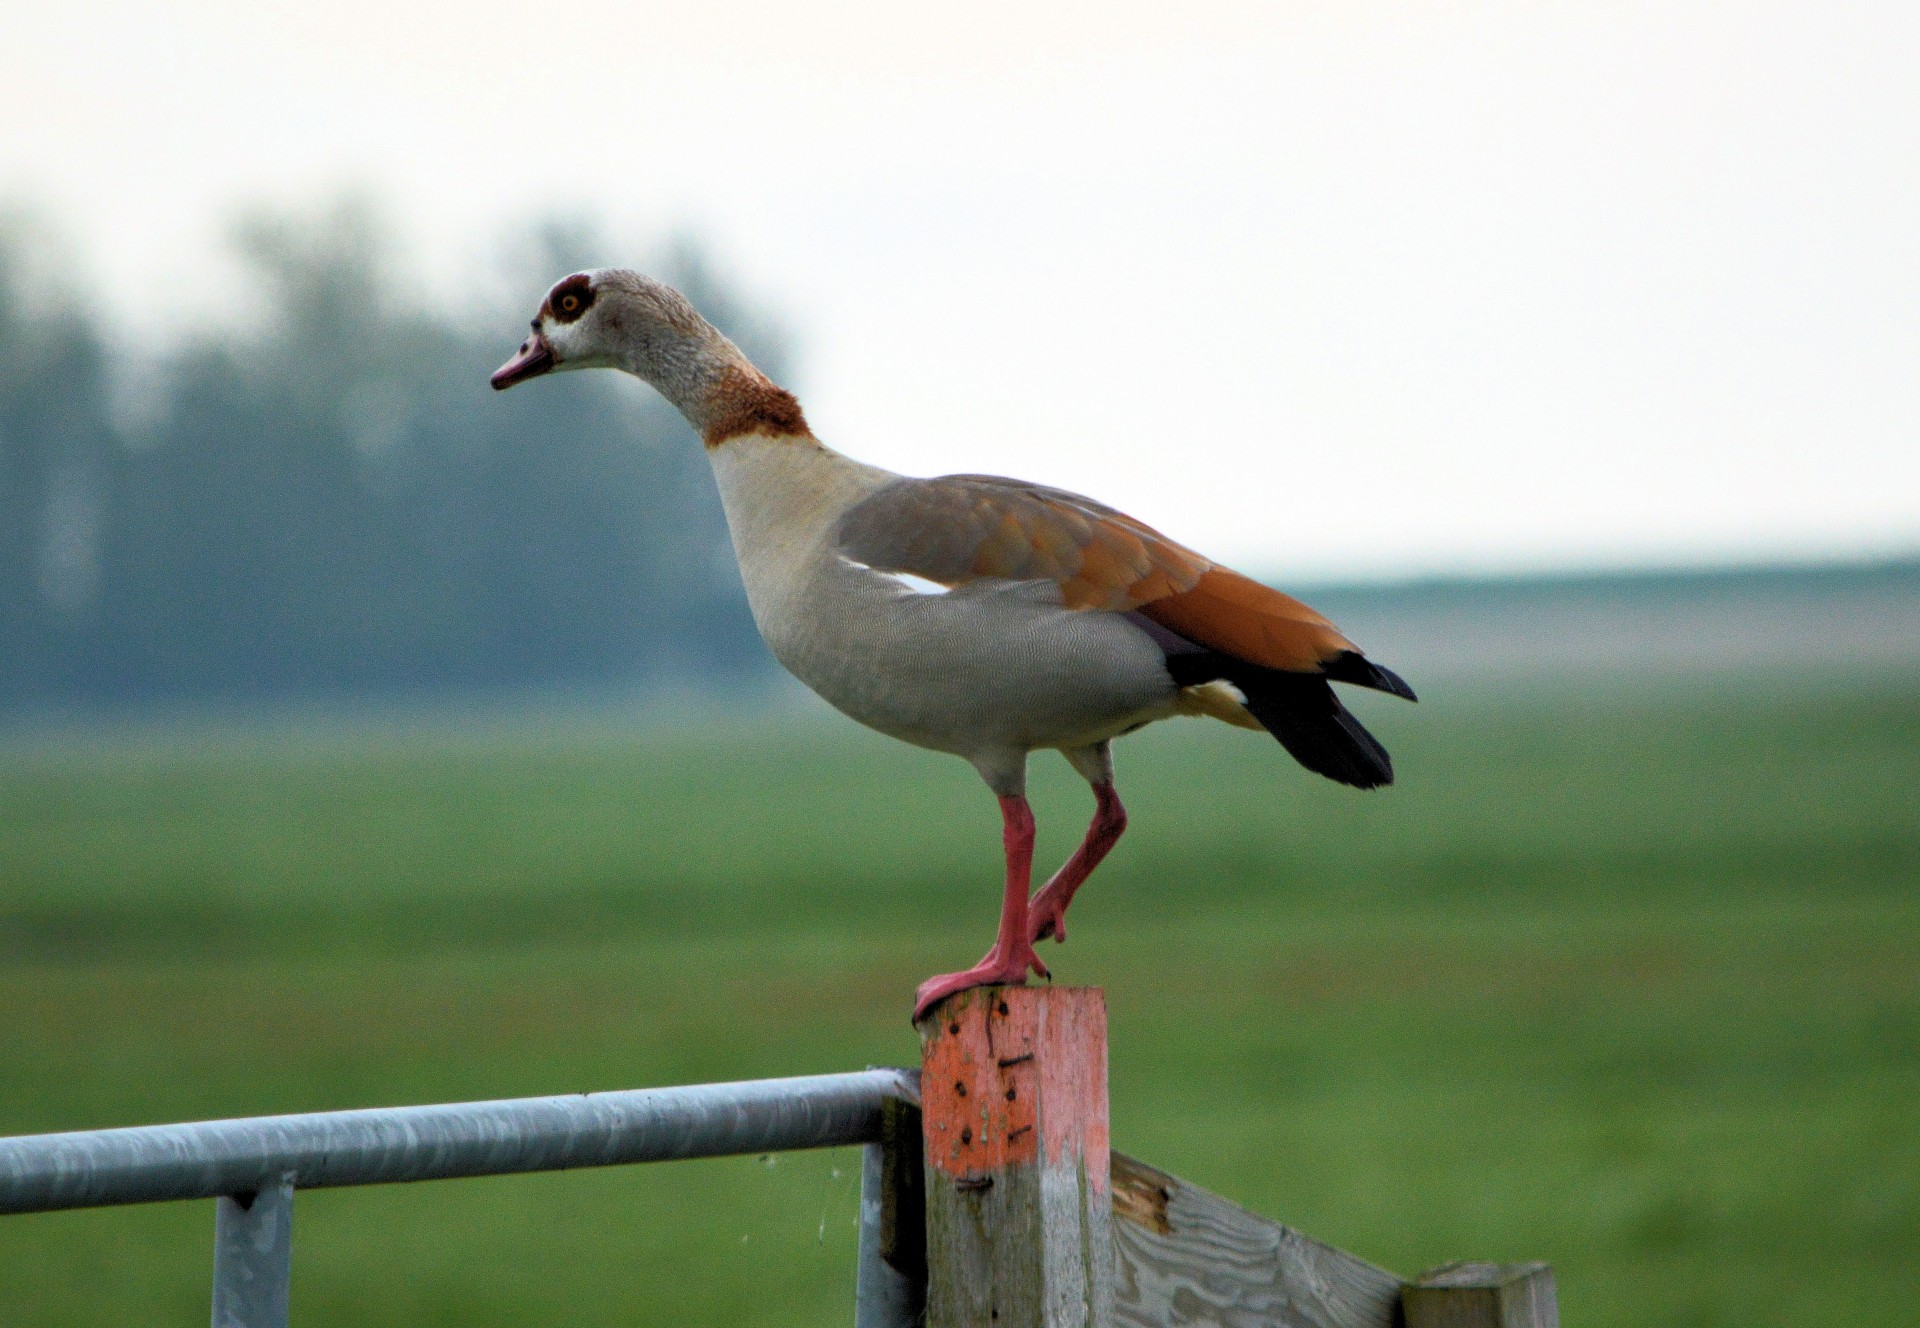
253	1166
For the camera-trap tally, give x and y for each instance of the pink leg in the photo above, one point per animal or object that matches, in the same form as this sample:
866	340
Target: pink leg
1012	954
1047	915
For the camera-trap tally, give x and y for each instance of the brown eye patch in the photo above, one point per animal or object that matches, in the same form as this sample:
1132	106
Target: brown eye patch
571	298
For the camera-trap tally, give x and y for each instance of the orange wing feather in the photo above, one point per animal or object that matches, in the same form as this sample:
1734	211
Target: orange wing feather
964	527
1238	616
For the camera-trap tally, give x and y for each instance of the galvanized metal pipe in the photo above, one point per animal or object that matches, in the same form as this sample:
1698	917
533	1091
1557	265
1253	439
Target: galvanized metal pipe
253	1258
208	1159
883	1297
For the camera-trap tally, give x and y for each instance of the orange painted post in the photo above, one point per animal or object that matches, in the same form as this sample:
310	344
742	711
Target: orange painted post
1019	1202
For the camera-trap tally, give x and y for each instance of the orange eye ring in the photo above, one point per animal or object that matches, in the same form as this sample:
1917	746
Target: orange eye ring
570	299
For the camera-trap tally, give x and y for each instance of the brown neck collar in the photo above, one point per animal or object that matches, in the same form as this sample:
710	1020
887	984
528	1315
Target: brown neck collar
743	401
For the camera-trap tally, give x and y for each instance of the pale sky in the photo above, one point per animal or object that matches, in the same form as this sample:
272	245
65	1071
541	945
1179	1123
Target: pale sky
1331	290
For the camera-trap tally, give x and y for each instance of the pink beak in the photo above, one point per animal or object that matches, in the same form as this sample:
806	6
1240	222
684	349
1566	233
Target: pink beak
534	358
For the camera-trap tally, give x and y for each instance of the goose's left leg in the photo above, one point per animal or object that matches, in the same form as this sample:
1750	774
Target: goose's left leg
1047	913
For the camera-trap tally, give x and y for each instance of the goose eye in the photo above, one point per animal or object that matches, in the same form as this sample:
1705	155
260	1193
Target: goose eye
571	298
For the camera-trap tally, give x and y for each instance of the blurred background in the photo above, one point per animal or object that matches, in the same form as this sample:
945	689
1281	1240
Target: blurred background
368	737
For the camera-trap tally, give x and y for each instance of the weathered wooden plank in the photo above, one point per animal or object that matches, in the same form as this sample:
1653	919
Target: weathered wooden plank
1484	1295
1013	1091
1185	1256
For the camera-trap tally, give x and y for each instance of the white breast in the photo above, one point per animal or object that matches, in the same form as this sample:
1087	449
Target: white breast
783	497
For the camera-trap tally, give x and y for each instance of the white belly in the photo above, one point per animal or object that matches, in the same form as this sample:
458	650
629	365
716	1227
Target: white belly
985	668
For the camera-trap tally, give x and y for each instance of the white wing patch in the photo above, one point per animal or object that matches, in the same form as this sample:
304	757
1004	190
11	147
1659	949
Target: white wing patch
918	585
907	581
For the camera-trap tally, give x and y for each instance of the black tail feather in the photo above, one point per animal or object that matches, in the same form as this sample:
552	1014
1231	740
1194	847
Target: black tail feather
1301	710
1354	667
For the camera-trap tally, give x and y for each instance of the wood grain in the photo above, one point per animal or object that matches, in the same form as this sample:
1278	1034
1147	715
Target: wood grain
1185	1256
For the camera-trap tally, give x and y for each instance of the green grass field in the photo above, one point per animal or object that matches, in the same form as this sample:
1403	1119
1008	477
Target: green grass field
1623	978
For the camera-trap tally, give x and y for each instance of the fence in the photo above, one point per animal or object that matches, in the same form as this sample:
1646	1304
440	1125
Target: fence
989	1197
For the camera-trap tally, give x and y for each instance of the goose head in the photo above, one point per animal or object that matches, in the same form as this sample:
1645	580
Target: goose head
612	318
604	319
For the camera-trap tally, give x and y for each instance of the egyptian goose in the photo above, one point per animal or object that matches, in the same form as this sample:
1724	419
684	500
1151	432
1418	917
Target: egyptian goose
971	614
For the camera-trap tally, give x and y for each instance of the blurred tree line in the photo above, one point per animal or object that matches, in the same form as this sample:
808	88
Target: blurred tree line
326	501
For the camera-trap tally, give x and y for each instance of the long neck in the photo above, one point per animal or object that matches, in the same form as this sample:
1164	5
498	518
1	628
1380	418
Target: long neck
782	498
714	384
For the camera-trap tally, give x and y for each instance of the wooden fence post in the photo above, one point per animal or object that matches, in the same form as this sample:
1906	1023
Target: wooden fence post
1483	1295
1019	1202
